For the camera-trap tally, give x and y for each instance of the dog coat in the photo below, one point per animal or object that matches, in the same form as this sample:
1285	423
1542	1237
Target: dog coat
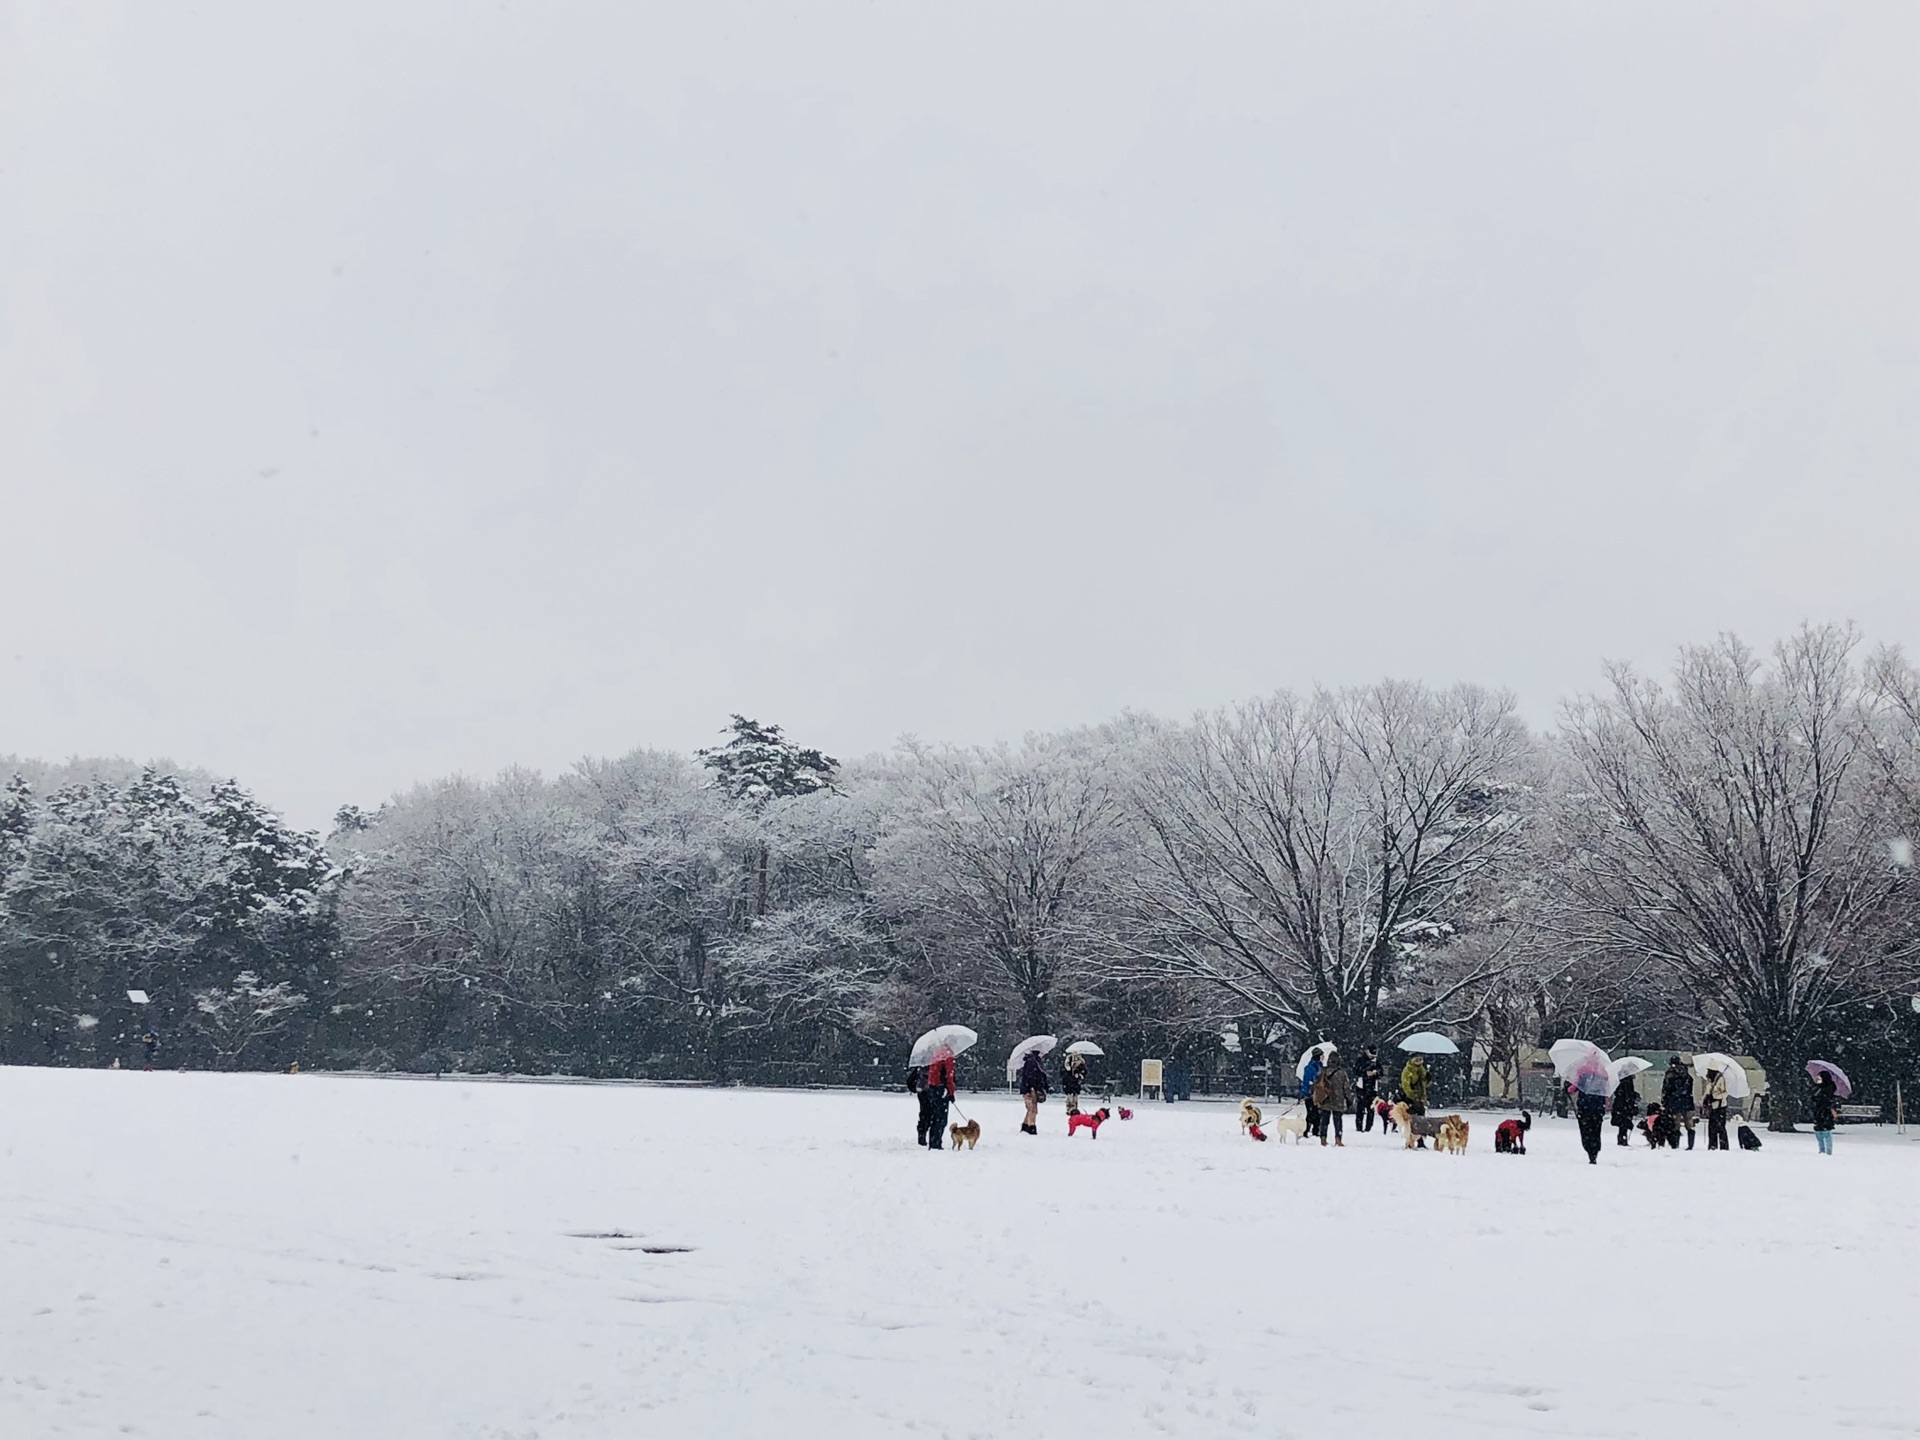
1256	1132
1091	1122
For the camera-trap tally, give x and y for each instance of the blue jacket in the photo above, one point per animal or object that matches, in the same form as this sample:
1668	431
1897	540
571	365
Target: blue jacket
1309	1075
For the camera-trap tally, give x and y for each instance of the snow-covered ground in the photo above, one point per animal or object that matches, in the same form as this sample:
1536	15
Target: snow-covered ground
279	1257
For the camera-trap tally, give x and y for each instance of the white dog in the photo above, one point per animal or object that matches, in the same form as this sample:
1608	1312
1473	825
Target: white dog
1294	1125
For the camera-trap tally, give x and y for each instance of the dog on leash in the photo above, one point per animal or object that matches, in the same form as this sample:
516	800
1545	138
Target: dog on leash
1385	1112
1418	1127
1249	1115
1748	1140
1510	1136
1453	1135
1294	1125
1090	1121
969	1132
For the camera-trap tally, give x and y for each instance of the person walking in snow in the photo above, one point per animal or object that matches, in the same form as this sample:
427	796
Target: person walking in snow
1591	1111
1714	1103
1333	1092
939	1093
1308	1077
1366	1088
1626	1108
1073	1077
1676	1095
1033	1089
1826	1111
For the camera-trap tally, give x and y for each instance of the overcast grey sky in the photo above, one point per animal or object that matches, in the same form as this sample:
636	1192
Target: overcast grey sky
388	389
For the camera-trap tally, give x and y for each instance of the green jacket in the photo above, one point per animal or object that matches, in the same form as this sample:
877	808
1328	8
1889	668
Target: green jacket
1413	1080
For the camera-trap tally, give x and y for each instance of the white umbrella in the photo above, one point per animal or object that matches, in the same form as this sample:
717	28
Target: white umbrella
942	1040
1323	1049
1583	1065
1730	1069
1429	1042
1084	1047
1043	1044
1628	1066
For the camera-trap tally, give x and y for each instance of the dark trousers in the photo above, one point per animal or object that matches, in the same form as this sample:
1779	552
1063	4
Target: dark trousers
1313	1118
1338	1117
926	1118
1717	1128
937	1102
1363	1114
1591	1122
1624	1124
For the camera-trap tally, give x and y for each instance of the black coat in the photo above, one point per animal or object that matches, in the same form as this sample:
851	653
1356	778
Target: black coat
1626	1103
1676	1092
1033	1075
1826	1104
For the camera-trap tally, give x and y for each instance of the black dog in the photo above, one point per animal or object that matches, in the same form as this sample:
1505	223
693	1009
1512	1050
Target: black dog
1510	1136
1660	1128
1748	1140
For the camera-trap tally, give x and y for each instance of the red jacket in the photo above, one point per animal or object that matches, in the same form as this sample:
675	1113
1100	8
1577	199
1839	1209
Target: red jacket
940	1075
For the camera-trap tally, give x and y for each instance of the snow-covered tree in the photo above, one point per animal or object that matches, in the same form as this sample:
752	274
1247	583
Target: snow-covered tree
1326	862
1733	828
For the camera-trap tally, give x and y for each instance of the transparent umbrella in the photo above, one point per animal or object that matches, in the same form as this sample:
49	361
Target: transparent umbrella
1628	1066
1738	1087
1323	1049
1583	1065
1429	1042
1043	1044
942	1040
1084	1047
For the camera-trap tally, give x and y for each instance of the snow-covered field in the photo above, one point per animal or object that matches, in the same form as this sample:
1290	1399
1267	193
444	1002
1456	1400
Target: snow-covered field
275	1257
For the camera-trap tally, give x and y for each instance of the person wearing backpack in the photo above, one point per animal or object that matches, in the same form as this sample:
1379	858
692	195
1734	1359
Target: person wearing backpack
1332	1093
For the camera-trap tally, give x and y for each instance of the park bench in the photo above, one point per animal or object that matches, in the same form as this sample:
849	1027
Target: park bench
1869	1114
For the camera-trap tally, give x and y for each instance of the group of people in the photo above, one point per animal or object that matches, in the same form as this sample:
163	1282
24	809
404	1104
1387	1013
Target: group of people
1328	1089
934	1085
1678	1112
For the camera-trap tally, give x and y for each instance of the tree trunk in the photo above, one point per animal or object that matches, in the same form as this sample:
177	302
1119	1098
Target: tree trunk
1783	1089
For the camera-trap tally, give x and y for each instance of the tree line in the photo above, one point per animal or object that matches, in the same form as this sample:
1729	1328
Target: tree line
1719	858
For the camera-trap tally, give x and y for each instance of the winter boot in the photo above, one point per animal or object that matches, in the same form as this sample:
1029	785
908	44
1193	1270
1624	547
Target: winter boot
1689	1139
1338	1143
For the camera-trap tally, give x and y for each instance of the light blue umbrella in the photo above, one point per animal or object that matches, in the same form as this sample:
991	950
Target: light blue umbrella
1429	1042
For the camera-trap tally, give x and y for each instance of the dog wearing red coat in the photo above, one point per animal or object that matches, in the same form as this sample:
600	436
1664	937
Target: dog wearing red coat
1510	1136
1385	1112
1090	1121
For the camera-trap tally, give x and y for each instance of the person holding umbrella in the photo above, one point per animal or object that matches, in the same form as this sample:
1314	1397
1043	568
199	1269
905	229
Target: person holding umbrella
1073	1077
1413	1088
1590	1110
1366	1077
1714	1102
1676	1095
1826	1110
1626	1108
1033	1089
1309	1074
1332	1093
938	1095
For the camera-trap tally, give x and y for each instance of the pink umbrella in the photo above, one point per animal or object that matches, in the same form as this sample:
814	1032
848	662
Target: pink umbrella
1842	1086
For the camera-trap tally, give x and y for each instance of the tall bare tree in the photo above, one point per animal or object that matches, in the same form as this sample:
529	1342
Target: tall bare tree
1321	859
992	855
1733	829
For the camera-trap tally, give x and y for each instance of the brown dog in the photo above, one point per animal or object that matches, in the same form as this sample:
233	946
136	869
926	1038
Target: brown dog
969	1132
1453	1135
